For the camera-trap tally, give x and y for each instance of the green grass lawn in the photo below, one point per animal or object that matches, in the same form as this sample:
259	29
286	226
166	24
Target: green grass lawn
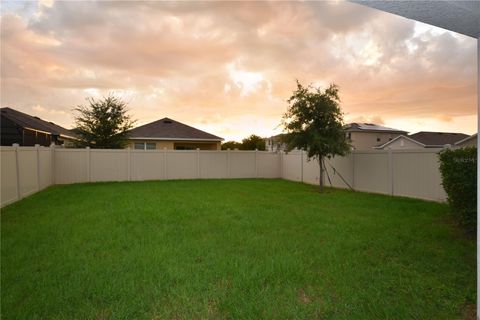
231	249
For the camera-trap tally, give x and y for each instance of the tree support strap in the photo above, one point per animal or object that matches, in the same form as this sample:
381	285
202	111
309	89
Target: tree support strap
341	177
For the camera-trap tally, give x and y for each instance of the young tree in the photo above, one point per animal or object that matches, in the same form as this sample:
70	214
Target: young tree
314	123
253	142
103	124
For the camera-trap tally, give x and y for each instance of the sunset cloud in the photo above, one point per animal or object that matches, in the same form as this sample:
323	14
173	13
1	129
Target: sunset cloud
230	67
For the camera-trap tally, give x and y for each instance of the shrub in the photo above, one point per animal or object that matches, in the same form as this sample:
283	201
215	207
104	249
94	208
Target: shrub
459	178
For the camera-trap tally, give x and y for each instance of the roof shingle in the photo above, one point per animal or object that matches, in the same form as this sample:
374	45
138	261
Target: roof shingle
437	138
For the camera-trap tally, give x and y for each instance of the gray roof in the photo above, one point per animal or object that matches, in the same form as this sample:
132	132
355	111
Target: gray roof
473	136
370	127
27	121
169	129
437	138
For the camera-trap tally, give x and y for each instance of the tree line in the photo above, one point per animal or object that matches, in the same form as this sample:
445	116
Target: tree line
252	142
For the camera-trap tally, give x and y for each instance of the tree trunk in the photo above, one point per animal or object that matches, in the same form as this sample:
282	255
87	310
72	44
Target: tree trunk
320	162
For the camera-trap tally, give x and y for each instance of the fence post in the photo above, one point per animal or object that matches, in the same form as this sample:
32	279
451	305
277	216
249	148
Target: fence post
390	171
89	176
19	195
353	169
129	164
228	162
281	165
256	163
165	163
198	163
52	162
301	166
38	166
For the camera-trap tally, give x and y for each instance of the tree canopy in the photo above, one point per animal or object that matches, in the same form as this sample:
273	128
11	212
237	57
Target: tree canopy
253	142
314	123
104	123
250	143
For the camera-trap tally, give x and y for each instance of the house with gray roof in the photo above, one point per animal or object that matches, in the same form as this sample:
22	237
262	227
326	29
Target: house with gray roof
169	134
365	136
424	139
26	130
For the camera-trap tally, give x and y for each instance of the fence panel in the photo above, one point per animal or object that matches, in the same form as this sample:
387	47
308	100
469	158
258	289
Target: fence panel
338	168
371	171
9	183
71	166
292	169
268	165
147	165
242	164
108	165
416	174
213	164
27	171
45	166
311	170
182	164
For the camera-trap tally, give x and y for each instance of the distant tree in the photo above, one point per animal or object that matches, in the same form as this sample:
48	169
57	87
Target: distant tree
314	123
253	142
232	145
103	124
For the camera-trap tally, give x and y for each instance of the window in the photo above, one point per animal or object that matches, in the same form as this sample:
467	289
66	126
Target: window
349	135
180	147
145	146
139	146
378	139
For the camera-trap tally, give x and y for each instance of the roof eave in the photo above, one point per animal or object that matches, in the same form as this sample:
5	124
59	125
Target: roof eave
397	138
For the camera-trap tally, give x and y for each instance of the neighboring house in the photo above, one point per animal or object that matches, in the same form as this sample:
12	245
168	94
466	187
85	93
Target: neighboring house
364	136
170	134
423	139
470	141
275	143
27	130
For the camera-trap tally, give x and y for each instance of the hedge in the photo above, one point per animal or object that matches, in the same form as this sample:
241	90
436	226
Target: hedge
459	178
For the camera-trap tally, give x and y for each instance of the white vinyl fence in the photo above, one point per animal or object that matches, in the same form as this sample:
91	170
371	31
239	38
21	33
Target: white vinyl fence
26	170
412	173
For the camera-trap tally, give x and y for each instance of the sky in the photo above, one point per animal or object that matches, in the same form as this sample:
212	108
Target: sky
229	67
